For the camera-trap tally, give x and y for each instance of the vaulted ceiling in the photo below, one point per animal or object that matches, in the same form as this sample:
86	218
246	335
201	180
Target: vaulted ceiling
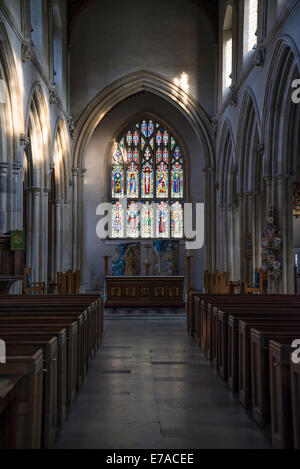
209	7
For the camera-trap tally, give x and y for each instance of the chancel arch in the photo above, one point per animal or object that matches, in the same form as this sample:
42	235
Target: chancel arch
97	185
125	90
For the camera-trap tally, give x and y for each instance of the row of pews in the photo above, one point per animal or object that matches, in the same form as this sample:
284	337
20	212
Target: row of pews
249	340
50	343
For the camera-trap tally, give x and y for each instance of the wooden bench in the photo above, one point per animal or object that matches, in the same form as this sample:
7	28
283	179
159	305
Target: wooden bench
9	391
50	407
280	392
295	385
11	336
260	375
29	397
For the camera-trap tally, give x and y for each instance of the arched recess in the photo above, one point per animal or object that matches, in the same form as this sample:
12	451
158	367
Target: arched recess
37	183
110	97
59	204
11	127
252	200
281	132
227	233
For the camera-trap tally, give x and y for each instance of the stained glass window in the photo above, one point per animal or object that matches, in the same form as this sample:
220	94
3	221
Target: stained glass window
133	220
162	220
176	220
148	167
117	220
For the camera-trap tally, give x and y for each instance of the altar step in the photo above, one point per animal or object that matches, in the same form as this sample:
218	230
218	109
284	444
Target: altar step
144	313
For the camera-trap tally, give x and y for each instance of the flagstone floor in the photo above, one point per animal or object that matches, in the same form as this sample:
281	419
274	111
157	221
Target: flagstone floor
150	387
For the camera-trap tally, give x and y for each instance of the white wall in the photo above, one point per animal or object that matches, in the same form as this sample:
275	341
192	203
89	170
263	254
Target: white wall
116	38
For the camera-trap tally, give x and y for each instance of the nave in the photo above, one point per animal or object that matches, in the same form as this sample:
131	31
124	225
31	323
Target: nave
150	387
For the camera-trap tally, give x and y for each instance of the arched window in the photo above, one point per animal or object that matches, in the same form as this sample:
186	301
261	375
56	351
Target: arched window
250	25
148	183
227	49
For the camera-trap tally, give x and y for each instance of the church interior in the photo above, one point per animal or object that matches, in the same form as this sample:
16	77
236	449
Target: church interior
149	224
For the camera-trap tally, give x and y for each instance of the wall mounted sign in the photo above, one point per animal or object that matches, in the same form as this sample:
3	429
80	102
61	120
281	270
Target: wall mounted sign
17	240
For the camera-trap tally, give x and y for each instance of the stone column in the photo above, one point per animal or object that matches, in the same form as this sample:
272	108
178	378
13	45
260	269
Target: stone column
213	205
34	224
58	236
285	283
207	224
3	196
17	171
45	234
75	210
80	260
66	233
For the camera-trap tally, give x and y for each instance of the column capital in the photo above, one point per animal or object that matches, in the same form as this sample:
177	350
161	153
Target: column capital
35	190
210	170
17	166
24	141
82	172
4	166
282	178
75	171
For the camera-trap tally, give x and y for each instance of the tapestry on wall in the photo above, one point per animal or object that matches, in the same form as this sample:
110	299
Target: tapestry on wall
271	247
166	257
127	260
296	200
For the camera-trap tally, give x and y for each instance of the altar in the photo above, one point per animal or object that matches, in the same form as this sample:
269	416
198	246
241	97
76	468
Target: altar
160	292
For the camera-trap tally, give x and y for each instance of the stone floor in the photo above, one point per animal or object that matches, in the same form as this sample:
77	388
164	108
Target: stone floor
149	387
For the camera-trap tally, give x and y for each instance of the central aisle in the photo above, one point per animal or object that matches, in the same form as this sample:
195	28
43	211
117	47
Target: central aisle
149	387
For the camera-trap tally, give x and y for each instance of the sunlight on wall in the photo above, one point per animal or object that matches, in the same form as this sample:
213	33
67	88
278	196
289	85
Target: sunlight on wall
183	82
2	92
250	25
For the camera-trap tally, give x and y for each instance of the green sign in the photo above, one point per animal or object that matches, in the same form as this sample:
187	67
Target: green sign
17	240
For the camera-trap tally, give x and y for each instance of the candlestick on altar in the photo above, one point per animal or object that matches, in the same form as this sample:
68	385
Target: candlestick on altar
188	258
147	262
106	262
147	266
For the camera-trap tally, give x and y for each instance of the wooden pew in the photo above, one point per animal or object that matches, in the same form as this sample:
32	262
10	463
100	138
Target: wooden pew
49	411
37	325
28	323
260	376
61	337
235	352
295	385
9	391
280	391
29	396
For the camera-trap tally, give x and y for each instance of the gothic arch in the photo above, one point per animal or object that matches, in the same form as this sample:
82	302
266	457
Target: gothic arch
226	202
249	152
281	133
38	129
226	164
279	111
61	159
11	118
128	86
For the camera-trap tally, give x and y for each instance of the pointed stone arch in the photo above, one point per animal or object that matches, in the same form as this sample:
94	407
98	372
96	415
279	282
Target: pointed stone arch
109	98
281	129
131	85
